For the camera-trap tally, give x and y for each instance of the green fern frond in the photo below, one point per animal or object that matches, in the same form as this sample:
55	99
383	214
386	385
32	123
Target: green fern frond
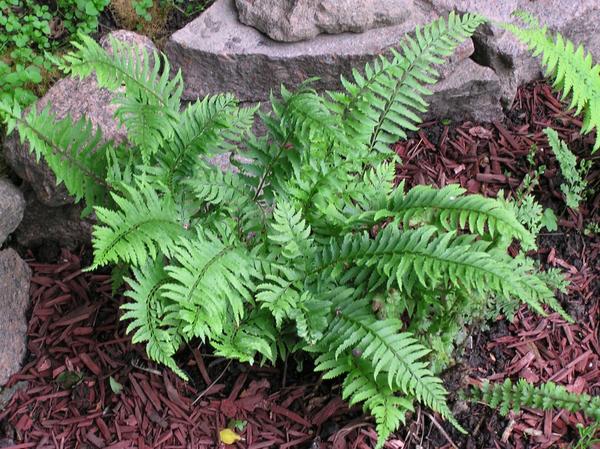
217	187
388	409
547	396
257	334
210	283
76	154
574	185
420	258
385	101
149	108
450	208
571	68
147	310
289	231
279	296
206	128
304	118
143	226
394	354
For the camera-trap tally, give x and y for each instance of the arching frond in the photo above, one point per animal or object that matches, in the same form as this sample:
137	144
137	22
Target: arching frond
547	396
386	100
574	73
451	208
394	354
147	311
206	127
421	258
210	283
76	154
150	104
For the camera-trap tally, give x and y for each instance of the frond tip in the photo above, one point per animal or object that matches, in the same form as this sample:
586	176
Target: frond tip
572	69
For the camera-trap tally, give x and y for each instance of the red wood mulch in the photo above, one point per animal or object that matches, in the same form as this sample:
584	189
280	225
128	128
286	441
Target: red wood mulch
74	329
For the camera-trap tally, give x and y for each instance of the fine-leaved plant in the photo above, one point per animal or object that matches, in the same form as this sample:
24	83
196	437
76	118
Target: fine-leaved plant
307	245
574	185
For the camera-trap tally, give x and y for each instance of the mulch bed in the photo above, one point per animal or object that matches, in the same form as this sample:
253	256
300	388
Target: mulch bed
77	345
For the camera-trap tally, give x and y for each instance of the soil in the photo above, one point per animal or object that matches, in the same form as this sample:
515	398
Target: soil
67	399
167	17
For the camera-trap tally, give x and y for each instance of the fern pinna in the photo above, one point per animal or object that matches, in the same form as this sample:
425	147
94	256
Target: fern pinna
308	245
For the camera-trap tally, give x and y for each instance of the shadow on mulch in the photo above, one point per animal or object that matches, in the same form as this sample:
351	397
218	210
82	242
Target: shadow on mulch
76	344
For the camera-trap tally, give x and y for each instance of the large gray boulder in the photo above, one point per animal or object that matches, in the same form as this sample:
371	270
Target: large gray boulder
12	206
500	50
296	20
217	53
77	98
15	276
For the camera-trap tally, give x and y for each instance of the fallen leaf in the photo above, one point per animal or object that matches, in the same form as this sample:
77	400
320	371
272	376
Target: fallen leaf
115	386
228	436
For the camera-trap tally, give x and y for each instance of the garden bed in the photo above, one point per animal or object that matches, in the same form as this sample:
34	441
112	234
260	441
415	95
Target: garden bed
66	399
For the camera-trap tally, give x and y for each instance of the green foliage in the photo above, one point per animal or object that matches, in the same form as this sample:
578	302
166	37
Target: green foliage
81	16
574	185
29	37
588	436
509	396
295	249
142	9
24	39
571	68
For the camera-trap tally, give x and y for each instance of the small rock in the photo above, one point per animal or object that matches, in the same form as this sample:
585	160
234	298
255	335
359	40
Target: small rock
469	92
7	394
12	206
500	50
15	277
297	20
50	214
63	225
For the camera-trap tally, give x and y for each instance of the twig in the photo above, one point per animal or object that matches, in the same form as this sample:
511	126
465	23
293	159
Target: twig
441	429
136	364
213	382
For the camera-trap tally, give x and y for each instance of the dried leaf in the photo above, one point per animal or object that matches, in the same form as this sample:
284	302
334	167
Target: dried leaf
228	436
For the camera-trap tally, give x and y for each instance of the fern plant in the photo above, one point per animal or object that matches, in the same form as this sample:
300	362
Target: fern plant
509	396
574	186
293	251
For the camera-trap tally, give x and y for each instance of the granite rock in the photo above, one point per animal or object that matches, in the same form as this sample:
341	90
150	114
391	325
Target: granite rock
12	206
77	98
15	276
296	20
62	225
498	49
217	53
